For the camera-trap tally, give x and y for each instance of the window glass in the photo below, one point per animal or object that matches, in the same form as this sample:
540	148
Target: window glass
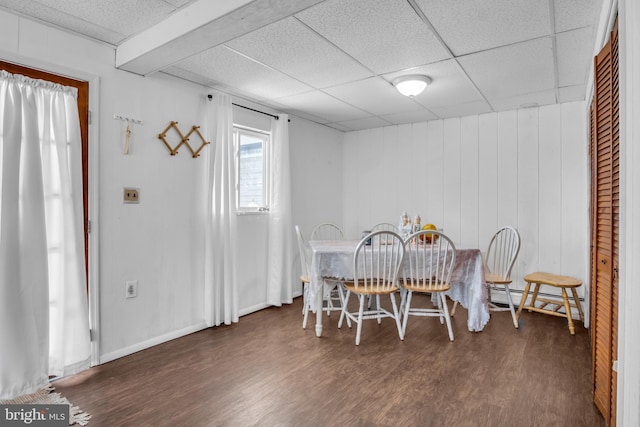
252	170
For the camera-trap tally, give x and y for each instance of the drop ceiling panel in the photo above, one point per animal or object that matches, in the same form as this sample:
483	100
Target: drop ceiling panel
317	62
9	24
571	14
574	56
409	117
119	16
366	123
572	93
449	86
333	62
179	3
458	110
322	105
226	67
374	95
339	127
64	20
525	100
512	70
473	25
384	35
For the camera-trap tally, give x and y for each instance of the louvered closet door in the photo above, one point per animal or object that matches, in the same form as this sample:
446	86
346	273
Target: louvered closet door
605	213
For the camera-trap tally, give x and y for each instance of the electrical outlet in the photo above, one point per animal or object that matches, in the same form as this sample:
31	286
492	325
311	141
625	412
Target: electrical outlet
131	289
131	195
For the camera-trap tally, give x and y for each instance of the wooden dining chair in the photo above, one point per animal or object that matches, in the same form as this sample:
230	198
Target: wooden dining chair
376	263
330	231
431	256
386	226
499	261
333	292
327	231
305	279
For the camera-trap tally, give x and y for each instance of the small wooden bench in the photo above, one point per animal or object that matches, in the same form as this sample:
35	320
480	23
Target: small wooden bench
562	282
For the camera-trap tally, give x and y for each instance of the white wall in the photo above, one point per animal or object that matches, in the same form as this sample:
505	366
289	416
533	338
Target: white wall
471	175
158	242
628	404
316	170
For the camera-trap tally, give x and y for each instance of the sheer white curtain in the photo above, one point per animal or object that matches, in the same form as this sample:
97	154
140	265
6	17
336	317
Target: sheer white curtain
221	288
44	323
281	255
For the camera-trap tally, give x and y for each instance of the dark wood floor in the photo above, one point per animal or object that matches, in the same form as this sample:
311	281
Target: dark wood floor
268	371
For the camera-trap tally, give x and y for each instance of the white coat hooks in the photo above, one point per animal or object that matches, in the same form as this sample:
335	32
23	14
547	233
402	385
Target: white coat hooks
127	133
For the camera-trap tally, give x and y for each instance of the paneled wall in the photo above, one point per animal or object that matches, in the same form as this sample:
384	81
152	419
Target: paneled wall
527	168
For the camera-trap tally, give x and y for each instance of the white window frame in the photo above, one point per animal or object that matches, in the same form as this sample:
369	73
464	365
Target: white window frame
266	167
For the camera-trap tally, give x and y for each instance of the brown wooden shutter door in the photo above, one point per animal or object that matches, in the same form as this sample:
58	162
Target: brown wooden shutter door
605	163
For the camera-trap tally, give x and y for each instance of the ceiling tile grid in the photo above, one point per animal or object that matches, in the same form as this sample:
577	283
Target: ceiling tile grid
318	63
474	25
63	20
334	62
229	68
323	105
574	56
366	123
384	35
517	69
409	117
449	85
572	14
374	95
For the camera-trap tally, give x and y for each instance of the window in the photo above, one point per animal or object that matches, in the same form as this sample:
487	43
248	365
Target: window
252	169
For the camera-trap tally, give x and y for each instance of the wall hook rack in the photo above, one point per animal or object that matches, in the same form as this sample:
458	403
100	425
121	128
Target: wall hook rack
184	139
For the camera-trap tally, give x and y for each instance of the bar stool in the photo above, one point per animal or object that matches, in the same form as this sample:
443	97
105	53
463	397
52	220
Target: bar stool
562	282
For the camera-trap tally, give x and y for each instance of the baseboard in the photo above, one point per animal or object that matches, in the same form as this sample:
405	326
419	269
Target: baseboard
173	335
151	342
252	309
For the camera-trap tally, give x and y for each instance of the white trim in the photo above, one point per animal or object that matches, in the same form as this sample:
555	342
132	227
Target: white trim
253	309
152	342
94	217
628	392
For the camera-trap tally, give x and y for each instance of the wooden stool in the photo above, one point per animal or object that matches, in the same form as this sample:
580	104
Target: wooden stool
562	282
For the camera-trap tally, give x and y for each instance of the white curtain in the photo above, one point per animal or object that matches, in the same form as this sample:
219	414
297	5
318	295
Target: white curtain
281	255
221	287
44	323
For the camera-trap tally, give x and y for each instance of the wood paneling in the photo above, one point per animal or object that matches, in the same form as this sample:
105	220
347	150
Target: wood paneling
469	185
550	168
525	168
529	188
451	179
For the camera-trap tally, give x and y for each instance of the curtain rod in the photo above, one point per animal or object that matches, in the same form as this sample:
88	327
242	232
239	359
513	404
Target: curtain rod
251	109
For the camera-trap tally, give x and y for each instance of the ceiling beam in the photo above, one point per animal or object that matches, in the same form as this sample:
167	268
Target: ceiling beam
198	27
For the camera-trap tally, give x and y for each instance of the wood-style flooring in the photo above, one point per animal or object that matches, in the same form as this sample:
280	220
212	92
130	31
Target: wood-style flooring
267	371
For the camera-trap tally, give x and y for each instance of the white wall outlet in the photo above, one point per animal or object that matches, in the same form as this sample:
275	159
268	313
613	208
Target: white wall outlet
131	289
131	195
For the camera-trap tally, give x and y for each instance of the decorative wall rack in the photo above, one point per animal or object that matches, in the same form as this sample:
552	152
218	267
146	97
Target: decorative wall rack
184	139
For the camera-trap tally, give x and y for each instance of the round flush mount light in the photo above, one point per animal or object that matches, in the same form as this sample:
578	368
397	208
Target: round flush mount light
412	84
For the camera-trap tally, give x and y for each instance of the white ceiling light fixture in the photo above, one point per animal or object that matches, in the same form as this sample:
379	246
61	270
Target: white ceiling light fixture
412	84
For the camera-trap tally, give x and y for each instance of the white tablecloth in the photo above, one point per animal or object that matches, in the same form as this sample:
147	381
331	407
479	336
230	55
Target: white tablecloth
334	258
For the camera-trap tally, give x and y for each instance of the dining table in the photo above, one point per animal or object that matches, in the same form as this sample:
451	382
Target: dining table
334	259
